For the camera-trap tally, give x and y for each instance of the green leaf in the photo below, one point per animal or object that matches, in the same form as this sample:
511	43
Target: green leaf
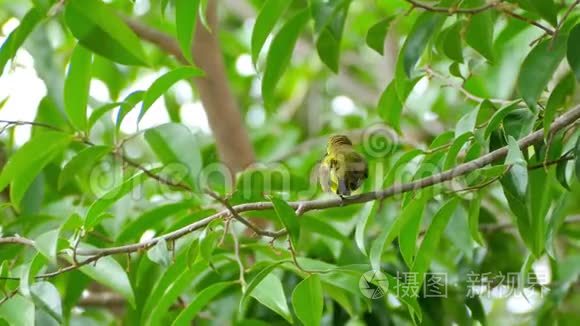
497	118
26	163
518	171
466	123
452	46
159	253
96	210
473	218
254	183
108	272
476	307
367	213
561	94
556	218
432	236
329	28
577	155
200	300
288	218
342	297
442	139
473	152
280	52
29	272
46	244
129	102
267	18
18	311
401	162
538	68
46	297
81	163
207	243
391	230
257	280
519	123
4	271
479	34
175	146
455	70
152	219
546	9
561	174
573	52
4	101
424	28
72	223
17	37
100	29
163	83
186	12
270	293
540	200
176	286
99	112
390	107
203	14
410	230
76	87
307	300
320	226
377	34
456	146
166	279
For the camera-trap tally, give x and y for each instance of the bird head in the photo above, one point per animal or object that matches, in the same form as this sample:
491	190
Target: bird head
336	142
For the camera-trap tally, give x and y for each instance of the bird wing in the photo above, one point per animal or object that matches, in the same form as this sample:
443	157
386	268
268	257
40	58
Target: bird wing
324	176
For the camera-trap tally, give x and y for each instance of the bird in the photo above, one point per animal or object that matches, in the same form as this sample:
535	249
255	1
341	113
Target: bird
343	170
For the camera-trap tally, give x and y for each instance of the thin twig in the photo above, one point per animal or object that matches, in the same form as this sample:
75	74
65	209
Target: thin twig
30	123
227	222
566	157
433	73
8	296
562	20
512	14
244	221
472	11
17	240
293	254
484	184
239	259
152	175
450	11
76	246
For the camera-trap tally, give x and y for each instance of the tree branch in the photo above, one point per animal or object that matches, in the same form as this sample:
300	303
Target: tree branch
237	216
162	40
566	119
17	240
560	123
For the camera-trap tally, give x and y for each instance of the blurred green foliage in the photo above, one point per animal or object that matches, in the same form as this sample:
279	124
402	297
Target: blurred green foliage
421	87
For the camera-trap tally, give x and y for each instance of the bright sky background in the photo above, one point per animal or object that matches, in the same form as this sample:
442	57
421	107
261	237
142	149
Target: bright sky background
25	89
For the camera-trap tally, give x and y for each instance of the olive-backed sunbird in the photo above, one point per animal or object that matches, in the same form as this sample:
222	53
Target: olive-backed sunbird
343	170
